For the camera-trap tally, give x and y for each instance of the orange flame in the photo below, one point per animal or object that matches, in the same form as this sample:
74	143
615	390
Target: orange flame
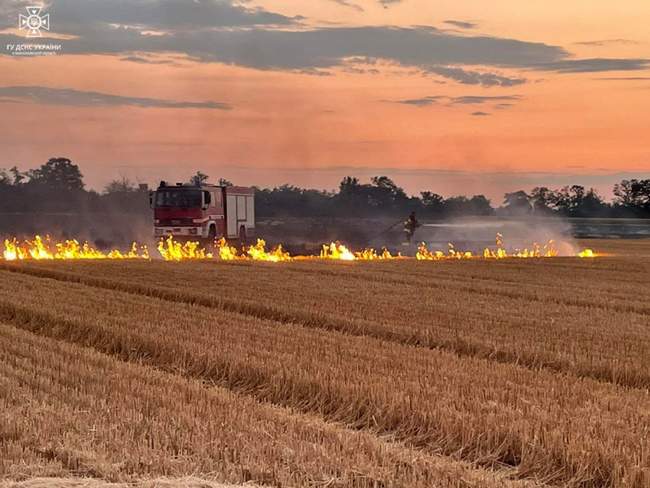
336	250
172	250
548	250
44	249
586	253
38	248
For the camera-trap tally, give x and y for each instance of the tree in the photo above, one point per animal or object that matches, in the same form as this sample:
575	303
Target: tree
123	185
576	201
388	185
480	205
58	173
349	185
224	182
517	203
385	194
431	200
291	200
5	180
542	199
18	176
456	205
634	194
199	179
11	177
353	197
591	205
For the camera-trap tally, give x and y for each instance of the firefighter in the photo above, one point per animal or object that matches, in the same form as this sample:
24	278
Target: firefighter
410	225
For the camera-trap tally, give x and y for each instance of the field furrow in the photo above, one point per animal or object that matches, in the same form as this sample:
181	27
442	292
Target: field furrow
70	411
558	428
602	343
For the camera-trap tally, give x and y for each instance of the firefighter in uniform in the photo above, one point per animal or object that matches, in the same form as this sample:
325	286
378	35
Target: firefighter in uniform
410	226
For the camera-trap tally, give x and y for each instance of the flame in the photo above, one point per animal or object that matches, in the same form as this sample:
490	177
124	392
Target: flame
134	253
336	250
226	252
172	250
258	252
39	248
43	249
586	253
548	250
371	255
423	254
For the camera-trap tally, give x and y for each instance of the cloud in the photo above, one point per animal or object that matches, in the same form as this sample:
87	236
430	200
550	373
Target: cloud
162	14
462	100
349	4
480	114
148	60
70	97
468	77
218	31
421	47
388	3
625	78
462	24
605	42
479	99
422	102
594	65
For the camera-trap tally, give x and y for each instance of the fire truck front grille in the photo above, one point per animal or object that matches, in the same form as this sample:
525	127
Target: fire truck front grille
175	222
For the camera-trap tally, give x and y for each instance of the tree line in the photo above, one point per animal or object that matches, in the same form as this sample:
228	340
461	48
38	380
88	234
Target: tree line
58	186
383	197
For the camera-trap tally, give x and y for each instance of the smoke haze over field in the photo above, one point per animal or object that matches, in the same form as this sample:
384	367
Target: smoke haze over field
474	234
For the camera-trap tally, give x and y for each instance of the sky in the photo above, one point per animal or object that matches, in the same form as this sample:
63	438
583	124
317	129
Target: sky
455	97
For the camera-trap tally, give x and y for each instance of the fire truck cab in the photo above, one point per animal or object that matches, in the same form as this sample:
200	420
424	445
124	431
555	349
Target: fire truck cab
204	212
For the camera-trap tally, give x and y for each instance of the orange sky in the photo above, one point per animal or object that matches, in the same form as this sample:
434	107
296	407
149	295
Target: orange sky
367	116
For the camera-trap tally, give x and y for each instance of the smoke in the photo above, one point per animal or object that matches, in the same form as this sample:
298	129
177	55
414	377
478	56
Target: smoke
466	234
472	234
104	230
116	228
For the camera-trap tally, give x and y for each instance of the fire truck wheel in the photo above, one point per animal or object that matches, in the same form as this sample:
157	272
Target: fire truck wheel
242	235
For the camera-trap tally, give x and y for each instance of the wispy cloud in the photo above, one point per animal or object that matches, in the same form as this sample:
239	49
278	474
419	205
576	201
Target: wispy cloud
388	3
594	65
134	58
462	24
469	77
65	96
605	42
479	99
462	100
422	102
624	78
480	114
349	4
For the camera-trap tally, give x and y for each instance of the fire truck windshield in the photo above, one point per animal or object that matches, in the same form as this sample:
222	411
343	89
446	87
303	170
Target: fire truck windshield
178	198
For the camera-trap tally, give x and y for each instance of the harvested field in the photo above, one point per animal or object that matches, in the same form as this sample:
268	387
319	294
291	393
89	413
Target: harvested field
471	373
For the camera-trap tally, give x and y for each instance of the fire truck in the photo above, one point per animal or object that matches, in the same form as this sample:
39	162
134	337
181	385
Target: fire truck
204	212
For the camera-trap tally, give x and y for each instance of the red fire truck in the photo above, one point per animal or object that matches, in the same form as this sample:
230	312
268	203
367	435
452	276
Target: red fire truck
204	212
